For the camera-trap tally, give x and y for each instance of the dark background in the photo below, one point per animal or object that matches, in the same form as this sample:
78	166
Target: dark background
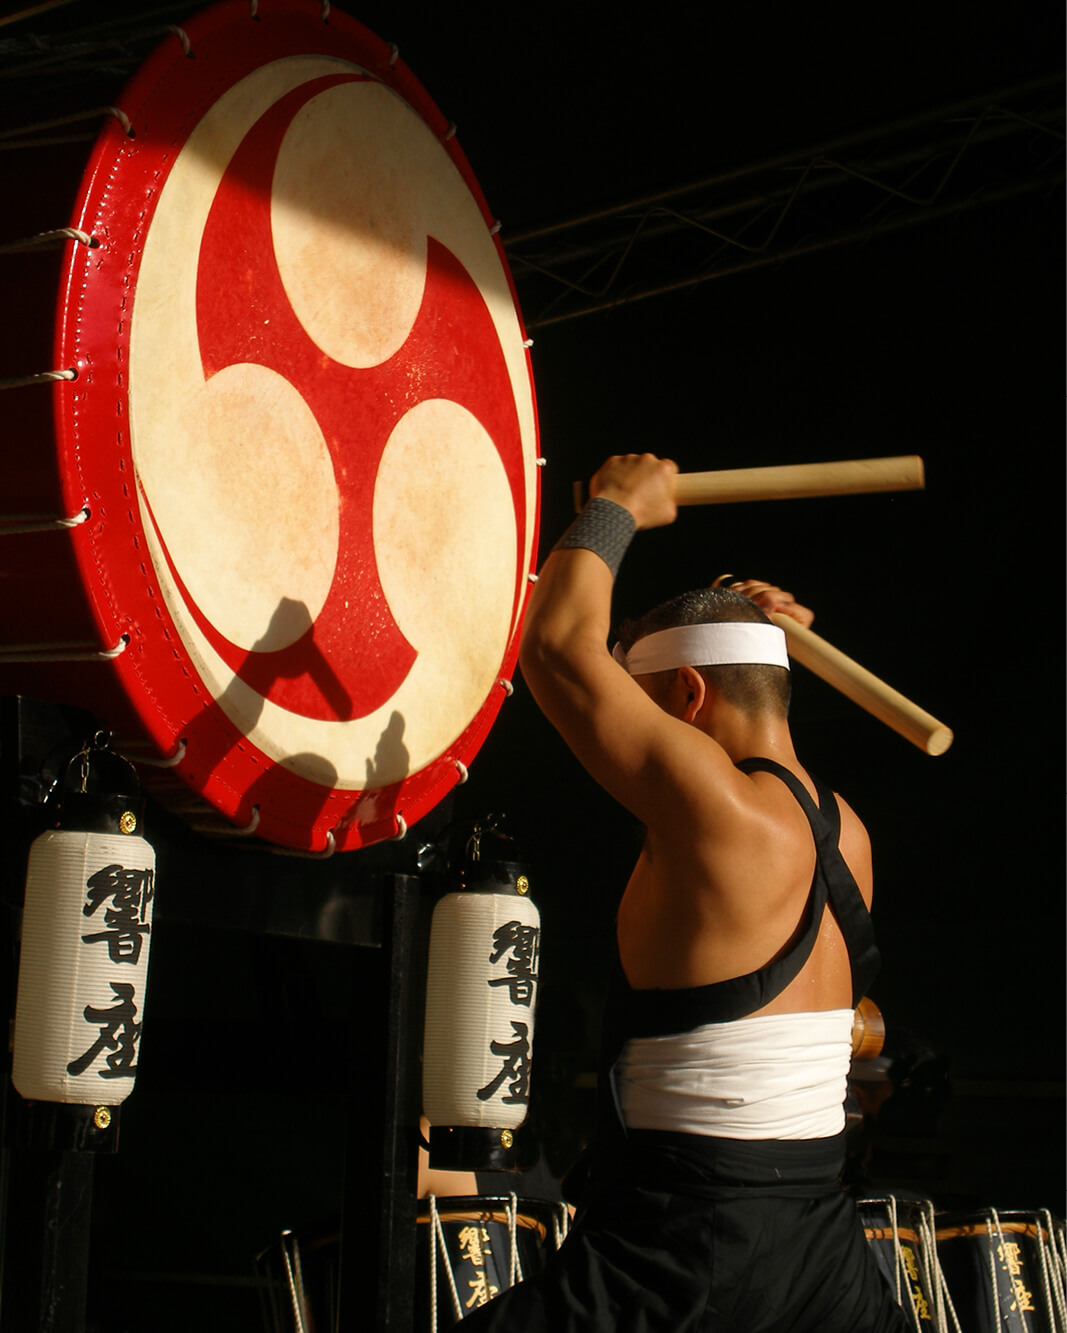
942	339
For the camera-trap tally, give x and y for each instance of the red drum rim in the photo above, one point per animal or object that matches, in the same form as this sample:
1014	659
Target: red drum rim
293	791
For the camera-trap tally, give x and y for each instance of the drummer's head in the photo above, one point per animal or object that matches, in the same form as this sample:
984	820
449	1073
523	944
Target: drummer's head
754	689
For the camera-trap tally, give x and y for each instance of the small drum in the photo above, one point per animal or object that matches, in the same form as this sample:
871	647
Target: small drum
1004	1271
468	1249
270	488
475	1248
901	1234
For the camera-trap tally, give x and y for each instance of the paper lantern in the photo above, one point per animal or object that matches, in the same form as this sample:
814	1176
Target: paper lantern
481	992
86	928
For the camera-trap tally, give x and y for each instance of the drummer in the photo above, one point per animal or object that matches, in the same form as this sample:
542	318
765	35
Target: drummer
711	1199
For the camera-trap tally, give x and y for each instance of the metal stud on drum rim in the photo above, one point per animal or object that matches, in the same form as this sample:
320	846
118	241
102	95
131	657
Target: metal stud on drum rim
300	439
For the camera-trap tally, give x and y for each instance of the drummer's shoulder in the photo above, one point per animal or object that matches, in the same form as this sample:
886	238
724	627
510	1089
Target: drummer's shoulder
855	845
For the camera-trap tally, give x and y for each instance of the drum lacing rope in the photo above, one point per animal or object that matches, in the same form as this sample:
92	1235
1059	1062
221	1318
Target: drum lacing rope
507	686
246	830
15	524
63	652
325	854
935	1278
170	761
513	1222
561	1223
992	1259
1053	1292
463	771
437	1237
213	830
899	1265
1058	1263
183	37
11	139
43	377
295	1281
46	238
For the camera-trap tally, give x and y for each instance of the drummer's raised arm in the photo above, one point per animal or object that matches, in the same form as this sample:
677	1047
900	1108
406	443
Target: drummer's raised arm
567	622
614	728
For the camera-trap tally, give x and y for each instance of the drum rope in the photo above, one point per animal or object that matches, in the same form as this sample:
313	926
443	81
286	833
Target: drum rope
11	139
301	1292
561	1223
294	1294
43	377
513	1222
433	1266
62	652
1059	1276
995	1221
183	37
13	525
438	1238
46	238
1054	1297
898	1250
227	830
946	1296
325	854
898	1256
934	1273
1056	1234
170	761
928	1256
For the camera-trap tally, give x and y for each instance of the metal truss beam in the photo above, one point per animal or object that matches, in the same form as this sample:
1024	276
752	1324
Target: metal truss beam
852	189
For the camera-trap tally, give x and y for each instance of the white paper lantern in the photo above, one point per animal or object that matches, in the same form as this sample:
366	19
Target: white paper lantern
481	991
86	928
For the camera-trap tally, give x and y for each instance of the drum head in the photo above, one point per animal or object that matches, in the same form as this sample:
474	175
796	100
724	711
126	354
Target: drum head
303	424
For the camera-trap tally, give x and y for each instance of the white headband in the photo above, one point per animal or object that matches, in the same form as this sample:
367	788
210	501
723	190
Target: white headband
728	643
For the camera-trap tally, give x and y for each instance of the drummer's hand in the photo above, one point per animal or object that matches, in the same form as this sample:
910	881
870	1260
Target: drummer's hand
641	483
769	598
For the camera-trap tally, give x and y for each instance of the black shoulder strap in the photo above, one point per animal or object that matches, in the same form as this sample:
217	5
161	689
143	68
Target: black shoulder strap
845	898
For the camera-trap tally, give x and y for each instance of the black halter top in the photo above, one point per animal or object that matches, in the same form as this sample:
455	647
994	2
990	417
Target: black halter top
654	1013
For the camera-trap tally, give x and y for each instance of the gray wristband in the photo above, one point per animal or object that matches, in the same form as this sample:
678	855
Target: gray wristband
604	527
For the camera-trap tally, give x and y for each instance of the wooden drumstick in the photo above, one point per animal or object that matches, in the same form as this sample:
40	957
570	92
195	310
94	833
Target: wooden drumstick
864	688
794	481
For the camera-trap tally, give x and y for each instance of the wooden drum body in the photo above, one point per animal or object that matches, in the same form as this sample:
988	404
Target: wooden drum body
276	520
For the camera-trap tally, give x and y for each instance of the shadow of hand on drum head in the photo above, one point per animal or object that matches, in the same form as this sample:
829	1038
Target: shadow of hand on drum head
214	734
379	801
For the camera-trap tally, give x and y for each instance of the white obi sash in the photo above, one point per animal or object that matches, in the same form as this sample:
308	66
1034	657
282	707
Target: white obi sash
778	1076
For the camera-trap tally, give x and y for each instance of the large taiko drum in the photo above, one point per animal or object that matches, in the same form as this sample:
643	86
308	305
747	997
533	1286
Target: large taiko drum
270	485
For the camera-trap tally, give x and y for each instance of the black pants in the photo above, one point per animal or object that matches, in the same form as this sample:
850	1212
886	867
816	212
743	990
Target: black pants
684	1235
